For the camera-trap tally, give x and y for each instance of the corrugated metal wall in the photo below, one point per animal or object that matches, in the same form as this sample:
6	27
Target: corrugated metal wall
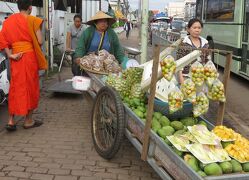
89	8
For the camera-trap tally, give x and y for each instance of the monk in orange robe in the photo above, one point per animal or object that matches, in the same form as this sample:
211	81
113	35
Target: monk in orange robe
21	38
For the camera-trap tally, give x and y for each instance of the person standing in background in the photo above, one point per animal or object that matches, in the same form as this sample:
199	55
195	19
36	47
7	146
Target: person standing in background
189	43
21	39
127	28
73	34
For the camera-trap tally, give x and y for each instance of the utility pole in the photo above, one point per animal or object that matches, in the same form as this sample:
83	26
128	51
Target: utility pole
139	16
45	12
144	31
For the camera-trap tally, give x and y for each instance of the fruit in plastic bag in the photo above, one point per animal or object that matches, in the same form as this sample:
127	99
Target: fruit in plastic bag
168	66
175	99
210	73
201	106
216	91
189	90
197	73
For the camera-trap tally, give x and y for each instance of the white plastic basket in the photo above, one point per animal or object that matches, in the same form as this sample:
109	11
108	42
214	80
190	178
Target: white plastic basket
81	83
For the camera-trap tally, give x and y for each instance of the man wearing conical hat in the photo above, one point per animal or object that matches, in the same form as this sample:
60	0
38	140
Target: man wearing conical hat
99	35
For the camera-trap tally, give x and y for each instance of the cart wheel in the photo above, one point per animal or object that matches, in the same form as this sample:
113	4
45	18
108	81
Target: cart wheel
108	122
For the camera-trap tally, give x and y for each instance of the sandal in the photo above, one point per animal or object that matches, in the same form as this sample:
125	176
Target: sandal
35	124
10	127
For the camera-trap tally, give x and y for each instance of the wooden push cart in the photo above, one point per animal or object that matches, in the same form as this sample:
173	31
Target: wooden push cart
111	120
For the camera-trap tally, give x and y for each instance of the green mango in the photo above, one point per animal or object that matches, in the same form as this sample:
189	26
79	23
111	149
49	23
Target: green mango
179	132
245	167
141	108
213	169
157	115
164	121
139	113
169	130
188	121
192	162
226	167
236	166
201	173
177	125
155	125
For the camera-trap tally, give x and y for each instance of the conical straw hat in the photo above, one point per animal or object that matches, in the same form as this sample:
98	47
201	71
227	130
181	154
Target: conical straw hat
101	15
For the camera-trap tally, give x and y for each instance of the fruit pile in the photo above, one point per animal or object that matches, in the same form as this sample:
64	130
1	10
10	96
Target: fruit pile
216	91
226	134
197	73
201	106
237	146
168	66
189	90
138	106
128	84
175	99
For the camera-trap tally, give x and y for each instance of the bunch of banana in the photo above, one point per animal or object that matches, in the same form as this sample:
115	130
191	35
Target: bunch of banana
224	133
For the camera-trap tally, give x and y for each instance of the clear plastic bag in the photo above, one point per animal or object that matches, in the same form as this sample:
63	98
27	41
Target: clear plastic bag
175	99
189	90
210	72
197	73
201	106
216	91
168	66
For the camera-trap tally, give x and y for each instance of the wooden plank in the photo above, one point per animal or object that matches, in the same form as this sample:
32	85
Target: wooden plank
221	108
170	165
150	103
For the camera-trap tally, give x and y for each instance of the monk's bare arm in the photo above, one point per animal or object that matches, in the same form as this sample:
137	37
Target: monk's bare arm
39	36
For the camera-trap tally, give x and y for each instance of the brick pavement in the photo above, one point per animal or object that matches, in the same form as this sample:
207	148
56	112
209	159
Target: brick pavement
62	148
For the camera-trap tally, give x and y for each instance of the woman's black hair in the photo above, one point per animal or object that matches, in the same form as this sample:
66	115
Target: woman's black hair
23	5
194	20
77	16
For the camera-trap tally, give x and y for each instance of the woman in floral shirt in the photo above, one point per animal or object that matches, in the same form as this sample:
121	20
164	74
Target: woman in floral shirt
190	43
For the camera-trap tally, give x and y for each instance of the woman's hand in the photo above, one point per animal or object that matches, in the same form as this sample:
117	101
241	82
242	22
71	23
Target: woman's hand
77	61
16	56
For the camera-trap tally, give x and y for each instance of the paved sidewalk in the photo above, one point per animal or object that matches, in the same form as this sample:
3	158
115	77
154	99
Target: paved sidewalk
62	148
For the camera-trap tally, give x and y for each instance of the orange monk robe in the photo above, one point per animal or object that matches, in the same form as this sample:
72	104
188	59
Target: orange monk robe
24	85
